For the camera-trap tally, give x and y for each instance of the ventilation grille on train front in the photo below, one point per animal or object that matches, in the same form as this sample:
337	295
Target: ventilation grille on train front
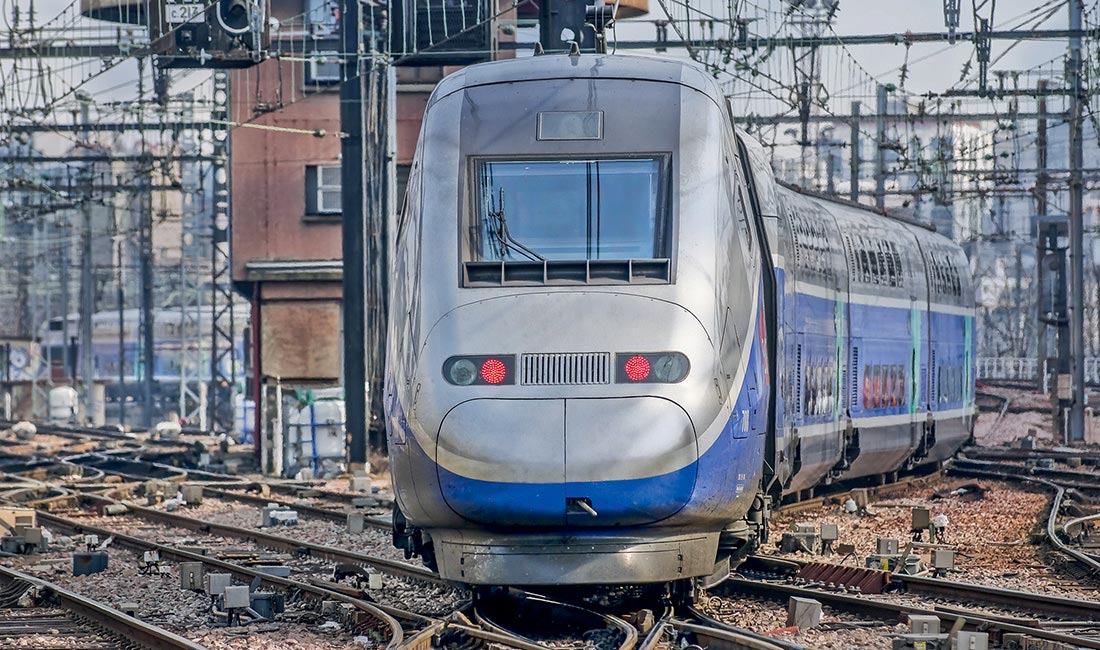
565	369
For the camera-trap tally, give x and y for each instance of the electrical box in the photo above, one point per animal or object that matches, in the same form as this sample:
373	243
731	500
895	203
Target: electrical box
209	34
922	519
12	517
236	597
887	546
830	532
943	559
191	575
217	582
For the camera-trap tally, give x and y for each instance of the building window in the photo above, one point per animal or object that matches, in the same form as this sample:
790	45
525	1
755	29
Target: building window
323	189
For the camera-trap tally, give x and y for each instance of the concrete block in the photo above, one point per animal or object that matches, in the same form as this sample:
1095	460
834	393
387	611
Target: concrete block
330	607
363	502
374	581
830	532
924	624
943	559
921	642
115	509
232	466
129	609
277	570
191	575
861	497
803	613
217	582
89	563
805	528
192	495
236	597
284	518
887	546
356	522
305	474
359	484
972	641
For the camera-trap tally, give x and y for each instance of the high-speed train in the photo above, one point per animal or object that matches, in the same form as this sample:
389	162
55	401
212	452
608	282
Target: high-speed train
616	341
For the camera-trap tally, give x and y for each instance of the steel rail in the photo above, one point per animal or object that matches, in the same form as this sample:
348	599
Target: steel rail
396	633
872	491
1052	519
128	627
653	638
1032	601
554	611
888	610
718	639
330	514
298	547
1038	602
741	632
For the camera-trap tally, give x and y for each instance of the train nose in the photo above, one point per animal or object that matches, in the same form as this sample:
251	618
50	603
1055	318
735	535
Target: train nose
576	462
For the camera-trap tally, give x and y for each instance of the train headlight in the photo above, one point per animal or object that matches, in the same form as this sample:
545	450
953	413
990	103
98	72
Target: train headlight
651	367
463	372
670	368
480	370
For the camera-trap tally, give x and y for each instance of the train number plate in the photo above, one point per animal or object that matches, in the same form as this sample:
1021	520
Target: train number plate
177	14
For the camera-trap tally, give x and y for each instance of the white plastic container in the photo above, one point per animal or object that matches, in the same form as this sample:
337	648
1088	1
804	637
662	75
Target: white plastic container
64	404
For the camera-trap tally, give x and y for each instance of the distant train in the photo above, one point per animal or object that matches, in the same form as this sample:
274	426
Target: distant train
170	333
616	341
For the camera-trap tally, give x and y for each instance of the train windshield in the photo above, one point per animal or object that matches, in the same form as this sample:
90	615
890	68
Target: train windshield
577	209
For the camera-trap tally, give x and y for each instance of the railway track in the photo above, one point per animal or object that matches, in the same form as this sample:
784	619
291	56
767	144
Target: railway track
1058	486
893	611
70	620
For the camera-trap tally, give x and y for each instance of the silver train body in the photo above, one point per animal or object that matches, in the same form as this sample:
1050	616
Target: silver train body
614	339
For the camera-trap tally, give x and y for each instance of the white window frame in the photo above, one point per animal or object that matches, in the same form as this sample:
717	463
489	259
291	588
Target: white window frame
321	188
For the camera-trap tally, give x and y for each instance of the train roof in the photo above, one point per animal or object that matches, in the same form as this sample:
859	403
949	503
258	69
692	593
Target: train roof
582	66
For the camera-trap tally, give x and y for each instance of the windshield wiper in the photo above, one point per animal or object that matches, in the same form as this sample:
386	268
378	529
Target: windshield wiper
505	238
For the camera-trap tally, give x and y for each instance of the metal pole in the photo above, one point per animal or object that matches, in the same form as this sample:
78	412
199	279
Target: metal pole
87	278
880	153
1077	233
853	179
121	298
145	230
1042	353
352	180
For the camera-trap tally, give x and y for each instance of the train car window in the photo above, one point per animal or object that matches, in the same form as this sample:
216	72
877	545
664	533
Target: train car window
571	209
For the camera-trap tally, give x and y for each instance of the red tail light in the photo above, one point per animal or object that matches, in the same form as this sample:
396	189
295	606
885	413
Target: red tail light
637	368
493	370
651	367
480	370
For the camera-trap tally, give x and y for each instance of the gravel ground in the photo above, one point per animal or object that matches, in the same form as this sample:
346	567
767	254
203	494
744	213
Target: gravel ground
163	603
423	598
991	535
838	630
372	541
1013	427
